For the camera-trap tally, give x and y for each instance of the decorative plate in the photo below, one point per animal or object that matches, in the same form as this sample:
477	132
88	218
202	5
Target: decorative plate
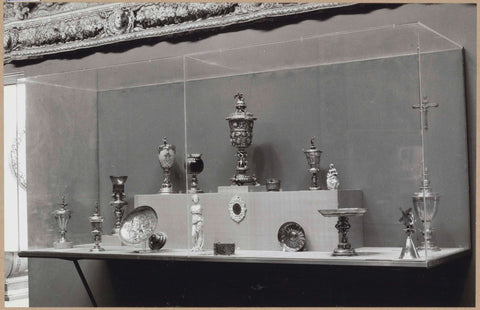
138	225
292	237
343	212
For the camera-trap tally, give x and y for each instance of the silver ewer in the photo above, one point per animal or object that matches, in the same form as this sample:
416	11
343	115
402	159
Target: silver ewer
194	166
96	220
313	161
62	216
118	201
241	127
425	204
166	157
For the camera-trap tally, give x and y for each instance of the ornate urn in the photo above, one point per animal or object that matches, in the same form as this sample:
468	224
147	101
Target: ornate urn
166	157
118	201
241	126
194	166
425	204
62	216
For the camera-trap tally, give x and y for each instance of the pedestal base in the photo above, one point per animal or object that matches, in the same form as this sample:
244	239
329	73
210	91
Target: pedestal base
166	190
97	249
195	191
62	245
344	252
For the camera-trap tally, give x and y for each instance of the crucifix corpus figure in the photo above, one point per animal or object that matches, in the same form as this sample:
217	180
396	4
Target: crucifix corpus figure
423	107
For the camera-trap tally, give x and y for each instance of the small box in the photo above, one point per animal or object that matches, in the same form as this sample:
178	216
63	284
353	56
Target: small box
223	248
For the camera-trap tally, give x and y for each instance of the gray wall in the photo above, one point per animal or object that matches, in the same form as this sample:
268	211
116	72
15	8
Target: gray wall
61	137
457	22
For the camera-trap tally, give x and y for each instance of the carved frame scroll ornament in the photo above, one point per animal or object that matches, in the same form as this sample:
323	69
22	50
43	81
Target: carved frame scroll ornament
32	30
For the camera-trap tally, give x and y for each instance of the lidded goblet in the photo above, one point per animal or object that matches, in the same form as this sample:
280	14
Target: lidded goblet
62	216
96	220
241	127
194	166
166	157
425	204
313	160
118	200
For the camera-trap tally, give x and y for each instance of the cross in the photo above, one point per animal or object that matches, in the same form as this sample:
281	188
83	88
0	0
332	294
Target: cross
424	106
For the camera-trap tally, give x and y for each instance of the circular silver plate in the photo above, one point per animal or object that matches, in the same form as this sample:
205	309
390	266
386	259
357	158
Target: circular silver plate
291	236
138	225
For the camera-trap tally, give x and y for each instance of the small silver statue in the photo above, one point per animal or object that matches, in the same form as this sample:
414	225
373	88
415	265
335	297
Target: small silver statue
408	251
62	216
166	157
332	178
96	220
197	224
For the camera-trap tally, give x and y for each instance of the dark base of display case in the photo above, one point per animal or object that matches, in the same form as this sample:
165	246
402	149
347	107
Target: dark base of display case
264	285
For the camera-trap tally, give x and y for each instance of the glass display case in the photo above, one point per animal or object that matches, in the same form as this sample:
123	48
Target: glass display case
382	109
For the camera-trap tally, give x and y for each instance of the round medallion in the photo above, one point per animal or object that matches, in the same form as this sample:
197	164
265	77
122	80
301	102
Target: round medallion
292	237
237	208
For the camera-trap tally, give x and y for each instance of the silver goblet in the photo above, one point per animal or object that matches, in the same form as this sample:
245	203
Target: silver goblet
313	161
118	200
96	220
194	166
62	216
241	127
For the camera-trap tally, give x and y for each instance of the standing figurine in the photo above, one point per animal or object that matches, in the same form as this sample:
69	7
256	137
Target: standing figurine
332	178
197	224
408	251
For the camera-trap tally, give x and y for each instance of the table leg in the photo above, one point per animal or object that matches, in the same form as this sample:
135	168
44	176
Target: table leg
84	281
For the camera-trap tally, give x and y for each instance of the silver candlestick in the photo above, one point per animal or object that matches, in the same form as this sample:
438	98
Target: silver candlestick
425	204
118	200
166	157
313	160
241	127
62	216
96	220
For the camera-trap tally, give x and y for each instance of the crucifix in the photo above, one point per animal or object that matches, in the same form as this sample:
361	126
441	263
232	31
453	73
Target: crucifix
423	107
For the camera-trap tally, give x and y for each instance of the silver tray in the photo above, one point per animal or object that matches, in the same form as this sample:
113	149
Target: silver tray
343	212
138	225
